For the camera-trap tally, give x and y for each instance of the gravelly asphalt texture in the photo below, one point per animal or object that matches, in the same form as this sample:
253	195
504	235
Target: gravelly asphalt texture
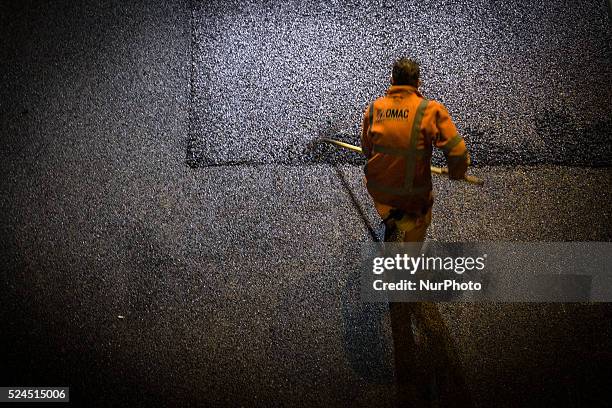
140	281
527	82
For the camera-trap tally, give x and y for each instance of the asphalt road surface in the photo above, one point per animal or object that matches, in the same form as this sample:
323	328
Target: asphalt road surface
141	268
526	81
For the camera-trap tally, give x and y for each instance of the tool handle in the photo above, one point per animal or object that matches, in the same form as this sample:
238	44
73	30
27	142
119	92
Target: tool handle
436	170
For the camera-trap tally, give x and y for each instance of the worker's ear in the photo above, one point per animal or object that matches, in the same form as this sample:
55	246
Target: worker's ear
419	83
391	79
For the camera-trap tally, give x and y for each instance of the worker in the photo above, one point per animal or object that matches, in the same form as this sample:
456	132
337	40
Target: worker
398	134
399	130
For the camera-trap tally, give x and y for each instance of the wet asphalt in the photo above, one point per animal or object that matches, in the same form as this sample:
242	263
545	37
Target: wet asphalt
139	280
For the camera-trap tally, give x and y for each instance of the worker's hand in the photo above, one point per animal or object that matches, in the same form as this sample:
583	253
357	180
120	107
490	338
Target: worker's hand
465	177
473	180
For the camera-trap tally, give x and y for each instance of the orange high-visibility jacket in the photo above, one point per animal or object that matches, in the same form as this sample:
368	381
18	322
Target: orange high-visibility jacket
399	130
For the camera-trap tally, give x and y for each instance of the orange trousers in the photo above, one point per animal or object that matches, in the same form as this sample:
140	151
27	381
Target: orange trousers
411	228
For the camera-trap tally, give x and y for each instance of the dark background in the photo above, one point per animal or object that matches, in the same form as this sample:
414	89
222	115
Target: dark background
226	248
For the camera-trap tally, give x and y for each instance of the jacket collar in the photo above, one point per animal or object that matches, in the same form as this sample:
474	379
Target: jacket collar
403	89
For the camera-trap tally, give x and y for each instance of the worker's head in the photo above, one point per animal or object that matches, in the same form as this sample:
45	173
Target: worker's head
406	72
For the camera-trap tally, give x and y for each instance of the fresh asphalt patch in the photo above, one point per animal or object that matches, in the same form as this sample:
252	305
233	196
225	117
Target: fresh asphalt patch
523	82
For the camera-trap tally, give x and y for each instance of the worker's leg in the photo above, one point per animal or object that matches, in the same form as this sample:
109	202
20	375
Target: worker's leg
418	233
408	228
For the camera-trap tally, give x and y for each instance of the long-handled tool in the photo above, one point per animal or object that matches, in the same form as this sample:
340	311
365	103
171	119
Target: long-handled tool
436	170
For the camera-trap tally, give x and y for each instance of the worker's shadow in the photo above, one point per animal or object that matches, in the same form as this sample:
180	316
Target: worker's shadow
419	354
427	370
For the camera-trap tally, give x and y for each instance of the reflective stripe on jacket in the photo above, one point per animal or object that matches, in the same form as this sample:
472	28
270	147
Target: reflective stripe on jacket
399	130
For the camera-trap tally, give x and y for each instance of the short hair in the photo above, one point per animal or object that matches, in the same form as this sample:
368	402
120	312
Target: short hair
406	72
